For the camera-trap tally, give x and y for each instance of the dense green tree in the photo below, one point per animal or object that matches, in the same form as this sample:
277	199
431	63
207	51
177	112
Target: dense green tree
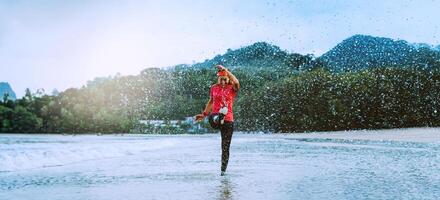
25	121
5	119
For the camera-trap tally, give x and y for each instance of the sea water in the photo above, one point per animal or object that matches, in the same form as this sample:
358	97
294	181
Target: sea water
261	166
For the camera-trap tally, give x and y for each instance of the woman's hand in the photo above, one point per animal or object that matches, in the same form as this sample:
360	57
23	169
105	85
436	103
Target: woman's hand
199	117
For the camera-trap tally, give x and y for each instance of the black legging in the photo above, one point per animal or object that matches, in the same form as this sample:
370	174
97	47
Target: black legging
226	131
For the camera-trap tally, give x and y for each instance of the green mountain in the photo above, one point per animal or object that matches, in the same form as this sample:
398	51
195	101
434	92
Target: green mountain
257	57
6	88
355	53
364	52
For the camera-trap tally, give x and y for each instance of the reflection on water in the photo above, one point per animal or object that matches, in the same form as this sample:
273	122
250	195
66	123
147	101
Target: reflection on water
226	189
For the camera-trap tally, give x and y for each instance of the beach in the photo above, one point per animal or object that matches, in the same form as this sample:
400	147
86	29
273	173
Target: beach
382	164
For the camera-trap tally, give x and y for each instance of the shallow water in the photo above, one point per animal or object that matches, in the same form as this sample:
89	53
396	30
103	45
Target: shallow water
188	167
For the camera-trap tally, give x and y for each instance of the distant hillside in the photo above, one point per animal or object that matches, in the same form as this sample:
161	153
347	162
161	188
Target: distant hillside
6	88
352	54
258	56
361	52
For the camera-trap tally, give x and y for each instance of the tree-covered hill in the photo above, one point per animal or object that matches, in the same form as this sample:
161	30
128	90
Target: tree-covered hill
361	52
257	57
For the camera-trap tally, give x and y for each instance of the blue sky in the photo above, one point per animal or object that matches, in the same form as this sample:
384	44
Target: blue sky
62	44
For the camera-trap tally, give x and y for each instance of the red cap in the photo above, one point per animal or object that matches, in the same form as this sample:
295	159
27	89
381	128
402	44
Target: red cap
222	73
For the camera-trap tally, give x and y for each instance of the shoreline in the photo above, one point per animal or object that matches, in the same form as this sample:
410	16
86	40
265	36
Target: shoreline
415	134
419	134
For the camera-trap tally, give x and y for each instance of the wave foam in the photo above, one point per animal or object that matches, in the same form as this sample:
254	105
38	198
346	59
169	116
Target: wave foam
29	155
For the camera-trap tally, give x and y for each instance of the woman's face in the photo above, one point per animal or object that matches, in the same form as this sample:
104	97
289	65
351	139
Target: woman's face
223	80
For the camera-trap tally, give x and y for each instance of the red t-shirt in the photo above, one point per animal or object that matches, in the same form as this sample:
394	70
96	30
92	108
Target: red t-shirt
223	96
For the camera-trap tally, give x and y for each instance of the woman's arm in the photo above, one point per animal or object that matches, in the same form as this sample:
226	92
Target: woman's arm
231	76
234	80
208	108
